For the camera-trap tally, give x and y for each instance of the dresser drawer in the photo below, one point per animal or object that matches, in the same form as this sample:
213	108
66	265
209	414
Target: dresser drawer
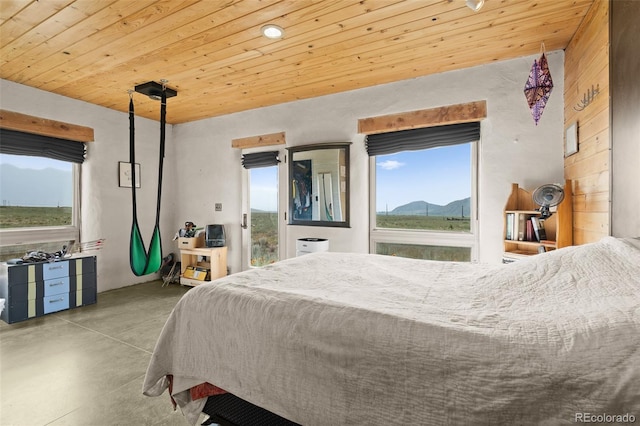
55	303
39	289
35	289
55	270
56	286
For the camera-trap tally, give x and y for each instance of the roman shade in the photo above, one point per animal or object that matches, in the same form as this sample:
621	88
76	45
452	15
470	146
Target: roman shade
423	138
21	143
260	159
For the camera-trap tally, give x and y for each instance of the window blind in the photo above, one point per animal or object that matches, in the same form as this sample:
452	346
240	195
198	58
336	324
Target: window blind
21	143
423	138
260	159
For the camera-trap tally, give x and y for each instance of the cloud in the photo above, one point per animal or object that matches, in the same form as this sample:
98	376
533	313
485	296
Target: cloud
390	164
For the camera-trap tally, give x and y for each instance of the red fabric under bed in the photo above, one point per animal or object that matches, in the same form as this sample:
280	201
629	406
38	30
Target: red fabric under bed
203	390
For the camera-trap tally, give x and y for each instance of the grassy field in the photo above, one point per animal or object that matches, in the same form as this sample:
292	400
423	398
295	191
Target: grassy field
264	231
264	238
418	251
432	223
24	217
264	235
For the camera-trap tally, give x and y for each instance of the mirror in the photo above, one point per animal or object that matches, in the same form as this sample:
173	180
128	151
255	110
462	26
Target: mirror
319	185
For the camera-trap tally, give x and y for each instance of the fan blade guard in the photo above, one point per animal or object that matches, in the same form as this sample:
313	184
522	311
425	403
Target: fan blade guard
548	195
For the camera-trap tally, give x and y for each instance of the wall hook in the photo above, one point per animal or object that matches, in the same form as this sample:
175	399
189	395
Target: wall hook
588	97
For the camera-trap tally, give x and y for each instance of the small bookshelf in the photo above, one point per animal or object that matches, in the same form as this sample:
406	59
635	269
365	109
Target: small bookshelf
521	238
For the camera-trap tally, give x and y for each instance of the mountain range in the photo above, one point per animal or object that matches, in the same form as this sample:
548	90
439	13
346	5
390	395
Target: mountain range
35	187
456	208
51	188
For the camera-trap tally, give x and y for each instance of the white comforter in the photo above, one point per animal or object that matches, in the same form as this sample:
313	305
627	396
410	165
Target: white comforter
354	339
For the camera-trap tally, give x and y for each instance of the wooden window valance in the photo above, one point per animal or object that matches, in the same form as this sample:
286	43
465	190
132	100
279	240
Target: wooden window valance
258	141
422	138
41	126
452	114
23	134
260	159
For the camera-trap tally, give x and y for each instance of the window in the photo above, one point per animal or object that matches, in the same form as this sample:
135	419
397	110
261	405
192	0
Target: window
423	194
39	209
261	241
263	202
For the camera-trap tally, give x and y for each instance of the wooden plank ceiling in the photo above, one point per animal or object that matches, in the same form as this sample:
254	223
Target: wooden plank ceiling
213	54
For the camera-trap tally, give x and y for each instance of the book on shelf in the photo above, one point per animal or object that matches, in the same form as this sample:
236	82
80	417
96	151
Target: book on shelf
529	235
538	228
509	230
522	227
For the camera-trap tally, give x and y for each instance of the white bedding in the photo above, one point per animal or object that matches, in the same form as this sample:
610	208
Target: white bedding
355	339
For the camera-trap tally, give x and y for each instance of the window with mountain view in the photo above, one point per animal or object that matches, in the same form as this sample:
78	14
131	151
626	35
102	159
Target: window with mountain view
37	207
428	189
424	203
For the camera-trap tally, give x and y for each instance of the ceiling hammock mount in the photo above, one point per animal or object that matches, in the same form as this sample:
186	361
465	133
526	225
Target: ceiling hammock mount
143	261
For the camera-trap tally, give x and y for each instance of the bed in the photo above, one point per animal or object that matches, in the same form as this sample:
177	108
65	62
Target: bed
359	339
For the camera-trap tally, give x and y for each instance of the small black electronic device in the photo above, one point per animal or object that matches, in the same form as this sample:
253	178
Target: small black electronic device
215	236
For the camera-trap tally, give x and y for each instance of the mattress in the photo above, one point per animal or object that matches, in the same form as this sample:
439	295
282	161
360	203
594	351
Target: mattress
355	339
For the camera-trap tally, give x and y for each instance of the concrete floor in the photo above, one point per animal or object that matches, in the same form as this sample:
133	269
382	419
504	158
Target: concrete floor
85	366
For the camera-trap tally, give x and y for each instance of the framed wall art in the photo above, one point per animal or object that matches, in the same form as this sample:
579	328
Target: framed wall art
125	175
571	140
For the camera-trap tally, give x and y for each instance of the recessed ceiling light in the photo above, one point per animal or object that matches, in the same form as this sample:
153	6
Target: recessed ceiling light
272	31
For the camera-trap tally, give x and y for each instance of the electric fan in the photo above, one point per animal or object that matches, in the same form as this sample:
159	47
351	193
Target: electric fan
547	196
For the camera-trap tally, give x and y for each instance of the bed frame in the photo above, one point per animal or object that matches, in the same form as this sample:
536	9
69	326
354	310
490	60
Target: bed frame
229	410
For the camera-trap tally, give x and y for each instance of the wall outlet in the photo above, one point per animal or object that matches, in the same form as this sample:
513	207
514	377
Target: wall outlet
218	207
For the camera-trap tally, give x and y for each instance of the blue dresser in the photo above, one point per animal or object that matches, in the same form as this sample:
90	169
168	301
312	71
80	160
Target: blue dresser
34	289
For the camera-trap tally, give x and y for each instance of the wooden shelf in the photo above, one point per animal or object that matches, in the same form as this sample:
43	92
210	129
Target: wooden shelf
558	226
216	263
531	212
544	243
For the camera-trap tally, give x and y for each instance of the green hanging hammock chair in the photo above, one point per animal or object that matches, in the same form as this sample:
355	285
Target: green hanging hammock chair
145	262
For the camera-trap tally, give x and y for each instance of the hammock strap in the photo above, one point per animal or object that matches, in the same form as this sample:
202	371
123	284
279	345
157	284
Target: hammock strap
163	119
145	262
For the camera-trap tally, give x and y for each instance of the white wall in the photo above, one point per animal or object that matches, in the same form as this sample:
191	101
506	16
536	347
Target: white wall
202	169
107	208
512	149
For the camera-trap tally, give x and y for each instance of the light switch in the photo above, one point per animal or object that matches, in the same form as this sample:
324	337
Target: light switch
218	207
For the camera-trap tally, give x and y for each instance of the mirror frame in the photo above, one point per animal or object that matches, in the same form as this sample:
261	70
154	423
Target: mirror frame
291	207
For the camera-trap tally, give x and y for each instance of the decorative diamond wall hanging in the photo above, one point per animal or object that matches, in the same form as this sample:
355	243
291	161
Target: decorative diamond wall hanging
538	87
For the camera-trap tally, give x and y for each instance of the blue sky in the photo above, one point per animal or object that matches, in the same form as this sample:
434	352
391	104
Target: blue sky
438	176
38	163
264	188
